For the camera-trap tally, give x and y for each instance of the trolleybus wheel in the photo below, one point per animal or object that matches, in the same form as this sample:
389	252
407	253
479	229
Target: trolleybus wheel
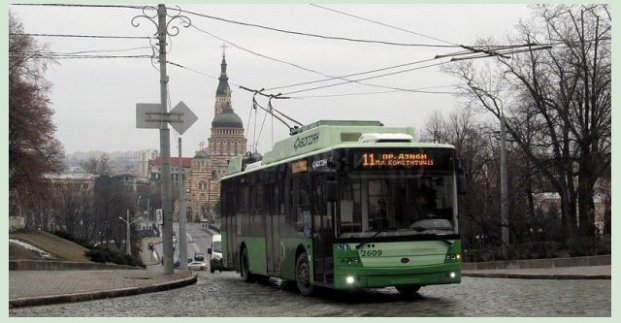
245	268
408	290
302	275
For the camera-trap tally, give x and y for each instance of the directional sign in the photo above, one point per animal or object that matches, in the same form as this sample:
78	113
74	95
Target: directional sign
148	116
181	117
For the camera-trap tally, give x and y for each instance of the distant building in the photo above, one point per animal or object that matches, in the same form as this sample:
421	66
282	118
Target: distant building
79	182
156	169
143	169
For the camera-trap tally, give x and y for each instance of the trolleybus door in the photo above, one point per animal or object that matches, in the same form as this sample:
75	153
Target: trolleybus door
323	232
272	232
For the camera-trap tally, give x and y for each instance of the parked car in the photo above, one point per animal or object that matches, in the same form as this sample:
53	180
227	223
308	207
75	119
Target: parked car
215	253
177	263
197	265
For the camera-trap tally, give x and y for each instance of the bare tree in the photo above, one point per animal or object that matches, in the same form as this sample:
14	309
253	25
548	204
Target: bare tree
97	166
33	150
556	102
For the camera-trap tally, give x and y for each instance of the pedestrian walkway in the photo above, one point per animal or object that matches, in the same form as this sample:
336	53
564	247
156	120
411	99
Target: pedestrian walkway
39	287
29	287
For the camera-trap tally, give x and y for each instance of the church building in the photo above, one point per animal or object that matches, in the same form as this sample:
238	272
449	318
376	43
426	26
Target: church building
209	164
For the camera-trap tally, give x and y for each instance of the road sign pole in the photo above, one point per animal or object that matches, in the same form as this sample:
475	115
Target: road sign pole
183	250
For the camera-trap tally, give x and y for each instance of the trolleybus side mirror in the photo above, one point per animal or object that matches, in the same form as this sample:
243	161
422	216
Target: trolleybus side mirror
462	188
331	190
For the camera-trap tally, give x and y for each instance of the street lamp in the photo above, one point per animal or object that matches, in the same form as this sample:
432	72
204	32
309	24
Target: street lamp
127	242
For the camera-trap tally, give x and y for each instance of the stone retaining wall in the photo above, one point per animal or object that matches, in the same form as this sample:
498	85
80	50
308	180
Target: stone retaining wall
62	265
539	263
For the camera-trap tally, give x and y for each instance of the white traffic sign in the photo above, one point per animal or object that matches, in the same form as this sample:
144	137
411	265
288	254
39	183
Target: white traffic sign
181	117
148	116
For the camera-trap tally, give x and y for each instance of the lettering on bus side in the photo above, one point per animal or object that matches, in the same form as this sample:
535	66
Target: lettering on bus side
302	142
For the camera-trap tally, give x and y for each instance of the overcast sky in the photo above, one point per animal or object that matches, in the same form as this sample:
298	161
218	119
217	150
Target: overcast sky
95	99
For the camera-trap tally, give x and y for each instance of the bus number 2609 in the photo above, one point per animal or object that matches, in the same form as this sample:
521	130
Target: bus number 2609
370	253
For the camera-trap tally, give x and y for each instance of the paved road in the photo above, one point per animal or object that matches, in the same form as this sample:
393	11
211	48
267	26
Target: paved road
224	294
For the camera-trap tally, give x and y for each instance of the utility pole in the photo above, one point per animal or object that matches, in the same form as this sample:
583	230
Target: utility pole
183	245
165	146
183	118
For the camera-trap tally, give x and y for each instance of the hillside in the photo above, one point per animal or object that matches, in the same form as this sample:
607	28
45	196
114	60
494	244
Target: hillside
58	248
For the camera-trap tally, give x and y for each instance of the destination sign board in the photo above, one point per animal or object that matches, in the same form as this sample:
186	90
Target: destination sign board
427	158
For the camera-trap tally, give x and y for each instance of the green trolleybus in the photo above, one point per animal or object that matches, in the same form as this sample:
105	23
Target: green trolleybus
343	205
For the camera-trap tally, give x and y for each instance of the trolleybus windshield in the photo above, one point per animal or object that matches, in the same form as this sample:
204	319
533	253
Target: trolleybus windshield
397	193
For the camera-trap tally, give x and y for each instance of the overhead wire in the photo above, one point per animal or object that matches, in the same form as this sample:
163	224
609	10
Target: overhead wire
312	35
384	24
88	56
79	36
328	77
76	5
369	78
371	93
258	54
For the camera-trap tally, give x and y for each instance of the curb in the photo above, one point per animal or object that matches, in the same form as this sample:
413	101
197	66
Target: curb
87	296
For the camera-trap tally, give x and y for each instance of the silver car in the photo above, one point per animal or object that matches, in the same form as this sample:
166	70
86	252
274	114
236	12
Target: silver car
197	265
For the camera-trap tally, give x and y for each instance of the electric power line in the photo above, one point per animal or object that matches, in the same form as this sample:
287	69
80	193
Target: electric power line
384	24
76	5
329	77
420	90
369	78
314	35
79	36
343	77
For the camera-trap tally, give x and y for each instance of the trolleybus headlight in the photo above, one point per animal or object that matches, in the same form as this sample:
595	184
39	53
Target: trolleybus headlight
452	275
349	279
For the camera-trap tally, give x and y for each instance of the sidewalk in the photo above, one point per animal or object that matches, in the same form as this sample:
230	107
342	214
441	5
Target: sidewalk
30	288
40	287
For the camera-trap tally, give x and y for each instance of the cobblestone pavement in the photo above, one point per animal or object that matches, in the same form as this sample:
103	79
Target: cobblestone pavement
224	294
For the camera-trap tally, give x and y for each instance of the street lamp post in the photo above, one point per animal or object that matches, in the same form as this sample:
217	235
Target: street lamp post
504	188
128	248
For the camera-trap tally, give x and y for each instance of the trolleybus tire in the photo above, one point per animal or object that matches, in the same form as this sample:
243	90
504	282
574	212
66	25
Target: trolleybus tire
245	267
302	275
408	290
